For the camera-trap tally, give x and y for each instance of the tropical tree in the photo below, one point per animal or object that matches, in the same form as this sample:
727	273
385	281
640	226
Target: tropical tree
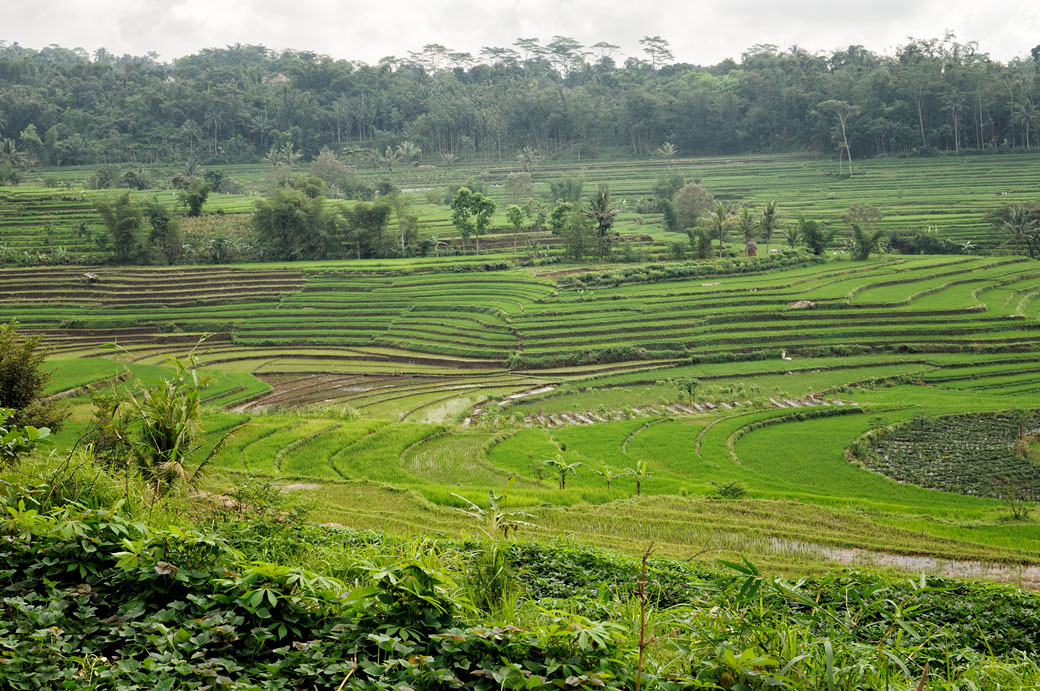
24	378
843	111
408	151
747	223
603	211
192	132
954	102
293	223
1027	116
165	236
31	139
690	203
641	472
471	212
10	154
657	49
769	221
812	234
389	157
686	385
124	220
718	221
194	197
607	474
285	155
1018	224
562	468
528	157
515	217
668	151
865	242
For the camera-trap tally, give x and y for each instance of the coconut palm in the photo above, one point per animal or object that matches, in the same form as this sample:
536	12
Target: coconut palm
865	242
285	155
769	221
388	157
718	220
10	154
408	151
1019	225
747	223
214	118
1028	116
604	211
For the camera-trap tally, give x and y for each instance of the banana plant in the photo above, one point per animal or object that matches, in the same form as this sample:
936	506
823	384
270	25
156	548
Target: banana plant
562	468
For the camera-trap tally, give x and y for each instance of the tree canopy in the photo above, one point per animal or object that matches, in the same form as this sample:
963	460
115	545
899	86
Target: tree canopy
244	102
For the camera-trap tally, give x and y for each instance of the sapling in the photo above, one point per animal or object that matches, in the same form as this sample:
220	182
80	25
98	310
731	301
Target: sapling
562	468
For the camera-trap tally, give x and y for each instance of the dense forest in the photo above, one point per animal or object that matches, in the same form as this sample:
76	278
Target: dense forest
64	106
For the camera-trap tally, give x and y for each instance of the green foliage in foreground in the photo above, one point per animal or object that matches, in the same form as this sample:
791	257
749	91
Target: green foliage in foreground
98	599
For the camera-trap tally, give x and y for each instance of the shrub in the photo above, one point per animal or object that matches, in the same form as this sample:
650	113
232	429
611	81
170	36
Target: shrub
22	380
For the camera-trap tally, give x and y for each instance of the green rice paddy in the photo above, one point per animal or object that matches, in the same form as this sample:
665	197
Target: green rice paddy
384	393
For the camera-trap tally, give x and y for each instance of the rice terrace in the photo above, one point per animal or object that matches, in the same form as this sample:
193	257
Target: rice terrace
575	413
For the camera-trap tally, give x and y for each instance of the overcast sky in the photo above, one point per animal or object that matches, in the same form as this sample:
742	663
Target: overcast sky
700	32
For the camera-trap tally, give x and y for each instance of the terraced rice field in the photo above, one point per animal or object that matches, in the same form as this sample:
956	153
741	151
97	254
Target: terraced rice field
381	390
64	226
948	195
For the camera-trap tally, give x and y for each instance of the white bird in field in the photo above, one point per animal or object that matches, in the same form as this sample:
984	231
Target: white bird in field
783	355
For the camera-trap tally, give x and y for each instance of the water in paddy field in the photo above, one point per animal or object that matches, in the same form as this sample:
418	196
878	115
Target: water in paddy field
1024	576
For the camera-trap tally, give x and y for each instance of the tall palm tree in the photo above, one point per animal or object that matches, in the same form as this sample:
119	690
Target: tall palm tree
191	131
769	221
718	221
9	153
604	211
1028	116
192	169
388	157
408	151
954	102
214	118
747	224
1019	225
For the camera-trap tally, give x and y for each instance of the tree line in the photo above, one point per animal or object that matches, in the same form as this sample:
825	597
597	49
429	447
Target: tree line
62	106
